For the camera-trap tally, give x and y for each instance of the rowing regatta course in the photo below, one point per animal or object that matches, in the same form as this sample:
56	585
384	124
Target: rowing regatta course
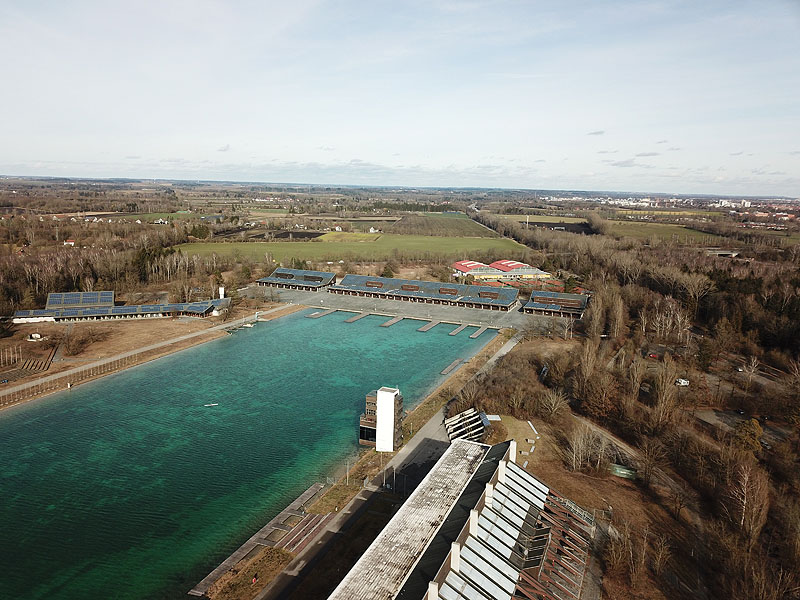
131	487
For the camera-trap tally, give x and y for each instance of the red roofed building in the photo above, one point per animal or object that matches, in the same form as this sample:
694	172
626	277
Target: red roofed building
465	266
499	270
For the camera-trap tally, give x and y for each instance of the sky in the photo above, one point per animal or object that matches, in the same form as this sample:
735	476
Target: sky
648	96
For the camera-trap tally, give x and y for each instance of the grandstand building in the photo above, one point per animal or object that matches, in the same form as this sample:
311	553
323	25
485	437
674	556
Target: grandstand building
499	270
297	279
557	304
428	292
478	527
99	306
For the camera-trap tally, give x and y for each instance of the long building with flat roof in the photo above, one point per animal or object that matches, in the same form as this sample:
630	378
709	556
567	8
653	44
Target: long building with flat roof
298	279
429	292
478	527
203	308
556	304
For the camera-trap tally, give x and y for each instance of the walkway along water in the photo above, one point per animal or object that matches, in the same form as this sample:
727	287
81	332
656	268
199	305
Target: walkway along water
59	381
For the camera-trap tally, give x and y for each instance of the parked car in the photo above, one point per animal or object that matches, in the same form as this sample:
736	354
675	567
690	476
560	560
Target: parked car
682	382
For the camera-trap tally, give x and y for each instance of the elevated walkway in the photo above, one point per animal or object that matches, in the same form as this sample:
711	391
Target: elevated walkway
429	326
324	313
459	329
478	333
355	318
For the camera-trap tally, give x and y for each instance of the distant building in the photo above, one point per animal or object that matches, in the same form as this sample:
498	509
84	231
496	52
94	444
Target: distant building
381	424
69	242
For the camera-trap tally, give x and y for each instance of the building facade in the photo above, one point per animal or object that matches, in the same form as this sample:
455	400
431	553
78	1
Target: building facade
381	424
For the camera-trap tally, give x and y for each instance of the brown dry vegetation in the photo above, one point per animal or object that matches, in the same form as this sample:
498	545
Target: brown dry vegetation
237	584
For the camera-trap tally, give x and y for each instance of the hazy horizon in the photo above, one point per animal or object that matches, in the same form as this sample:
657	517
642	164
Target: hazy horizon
665	97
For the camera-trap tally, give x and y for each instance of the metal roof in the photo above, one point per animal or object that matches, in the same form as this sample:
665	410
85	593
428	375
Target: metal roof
505	533
197	308
380	572
387	286
300	276
556	301
508	265
79	299
465	266
431	561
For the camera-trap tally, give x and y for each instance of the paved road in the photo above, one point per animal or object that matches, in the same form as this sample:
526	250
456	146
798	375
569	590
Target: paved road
156	346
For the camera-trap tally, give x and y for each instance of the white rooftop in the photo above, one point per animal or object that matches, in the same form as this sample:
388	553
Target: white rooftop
393	554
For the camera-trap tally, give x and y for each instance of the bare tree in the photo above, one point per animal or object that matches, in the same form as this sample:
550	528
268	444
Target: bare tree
580	444
696	286
661	554
750	369
679	497
748	501
652	456
551	403
666	395
636	372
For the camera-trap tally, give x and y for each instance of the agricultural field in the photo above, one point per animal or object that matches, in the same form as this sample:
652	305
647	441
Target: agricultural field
541	218
267	212
348	246
441	225
664	231
176	216
343	236
670	213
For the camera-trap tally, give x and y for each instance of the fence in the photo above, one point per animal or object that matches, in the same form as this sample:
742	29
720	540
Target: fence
67	379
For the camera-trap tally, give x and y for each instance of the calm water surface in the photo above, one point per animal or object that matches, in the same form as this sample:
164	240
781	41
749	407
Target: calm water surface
128	487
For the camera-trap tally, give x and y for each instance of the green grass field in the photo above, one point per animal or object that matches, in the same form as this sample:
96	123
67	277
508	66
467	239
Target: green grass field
669	213
356	247
440	225
541	218
343	236
664	231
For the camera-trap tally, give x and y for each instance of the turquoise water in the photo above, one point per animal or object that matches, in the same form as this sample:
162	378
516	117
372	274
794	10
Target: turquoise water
128	487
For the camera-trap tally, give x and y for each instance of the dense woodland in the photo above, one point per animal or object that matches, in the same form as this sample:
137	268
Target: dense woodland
698	310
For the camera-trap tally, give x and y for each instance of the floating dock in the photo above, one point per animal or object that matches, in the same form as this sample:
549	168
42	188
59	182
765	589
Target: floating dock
429	326
451	366
478	333
459	329
264	537
356	317
317	315
392	322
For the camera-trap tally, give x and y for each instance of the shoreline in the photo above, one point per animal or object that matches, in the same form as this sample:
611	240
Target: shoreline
118	363
432	401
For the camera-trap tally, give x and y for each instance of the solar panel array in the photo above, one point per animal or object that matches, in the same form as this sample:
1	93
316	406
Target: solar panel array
299	276
190	308
464	293
79	299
